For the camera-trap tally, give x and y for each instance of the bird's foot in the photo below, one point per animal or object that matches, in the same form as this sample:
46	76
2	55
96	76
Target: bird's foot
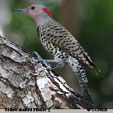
58	65
45	62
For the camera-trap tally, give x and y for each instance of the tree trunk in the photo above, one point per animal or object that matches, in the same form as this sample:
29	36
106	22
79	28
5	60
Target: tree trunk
26	83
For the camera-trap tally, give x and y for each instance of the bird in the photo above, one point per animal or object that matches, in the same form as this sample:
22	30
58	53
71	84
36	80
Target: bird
64	47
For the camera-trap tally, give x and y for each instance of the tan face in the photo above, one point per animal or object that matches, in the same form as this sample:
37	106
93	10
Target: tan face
38	13
34	11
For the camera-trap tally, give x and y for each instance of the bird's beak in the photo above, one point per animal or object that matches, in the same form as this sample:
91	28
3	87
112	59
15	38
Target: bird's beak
20	10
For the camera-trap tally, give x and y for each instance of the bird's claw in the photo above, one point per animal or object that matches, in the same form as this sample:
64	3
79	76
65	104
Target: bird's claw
45	62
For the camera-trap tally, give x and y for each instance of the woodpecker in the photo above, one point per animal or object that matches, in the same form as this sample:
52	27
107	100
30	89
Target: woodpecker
58	41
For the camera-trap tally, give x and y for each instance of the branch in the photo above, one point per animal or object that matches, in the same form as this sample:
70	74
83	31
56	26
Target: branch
26	83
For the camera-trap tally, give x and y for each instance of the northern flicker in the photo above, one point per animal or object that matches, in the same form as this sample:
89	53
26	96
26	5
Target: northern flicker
58	41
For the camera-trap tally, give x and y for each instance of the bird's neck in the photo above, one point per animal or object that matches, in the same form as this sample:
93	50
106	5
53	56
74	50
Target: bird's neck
40	20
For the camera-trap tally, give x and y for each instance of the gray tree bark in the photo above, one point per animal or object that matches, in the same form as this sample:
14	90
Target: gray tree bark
26	83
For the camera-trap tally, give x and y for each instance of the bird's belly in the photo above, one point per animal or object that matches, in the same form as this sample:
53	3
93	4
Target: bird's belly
55	51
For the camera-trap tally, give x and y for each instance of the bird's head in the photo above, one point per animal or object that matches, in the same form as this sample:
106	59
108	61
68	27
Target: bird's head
37	12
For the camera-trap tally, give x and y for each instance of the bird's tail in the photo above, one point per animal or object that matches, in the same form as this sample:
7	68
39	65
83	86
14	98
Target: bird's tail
95	69
81	75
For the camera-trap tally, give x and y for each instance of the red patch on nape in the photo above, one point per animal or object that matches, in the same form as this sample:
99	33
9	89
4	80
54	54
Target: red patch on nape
48	12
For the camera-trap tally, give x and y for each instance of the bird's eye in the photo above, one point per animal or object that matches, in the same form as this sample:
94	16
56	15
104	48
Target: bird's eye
32	7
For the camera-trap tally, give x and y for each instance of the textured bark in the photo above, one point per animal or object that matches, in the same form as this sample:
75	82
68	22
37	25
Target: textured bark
26	83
